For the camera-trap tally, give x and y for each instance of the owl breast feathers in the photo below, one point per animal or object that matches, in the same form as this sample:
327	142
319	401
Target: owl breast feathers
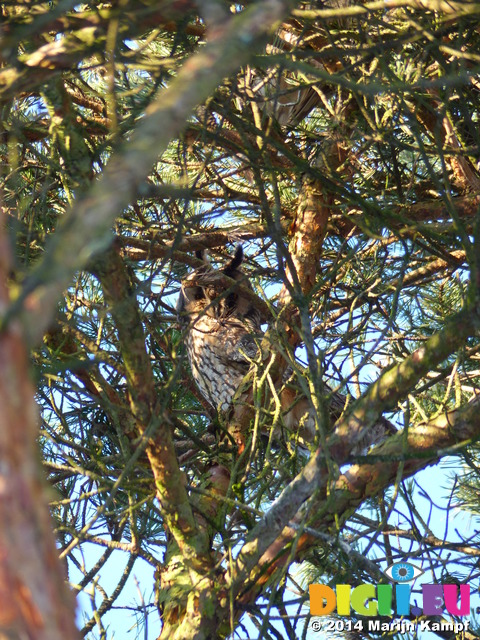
221	327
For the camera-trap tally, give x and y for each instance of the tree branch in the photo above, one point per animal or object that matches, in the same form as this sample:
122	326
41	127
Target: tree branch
86	229
381	396
35	602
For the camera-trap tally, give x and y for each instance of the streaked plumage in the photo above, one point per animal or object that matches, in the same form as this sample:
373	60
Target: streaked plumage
221	327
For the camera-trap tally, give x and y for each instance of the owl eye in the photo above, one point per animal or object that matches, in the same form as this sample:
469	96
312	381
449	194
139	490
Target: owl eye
199	295
403	572
231	300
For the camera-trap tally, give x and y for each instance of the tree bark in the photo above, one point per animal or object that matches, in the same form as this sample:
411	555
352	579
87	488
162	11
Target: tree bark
35	602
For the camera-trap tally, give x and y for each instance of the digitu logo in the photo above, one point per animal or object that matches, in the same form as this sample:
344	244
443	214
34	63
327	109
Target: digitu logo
377	600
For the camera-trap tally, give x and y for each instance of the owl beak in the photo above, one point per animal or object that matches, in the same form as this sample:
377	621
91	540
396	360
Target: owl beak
212	310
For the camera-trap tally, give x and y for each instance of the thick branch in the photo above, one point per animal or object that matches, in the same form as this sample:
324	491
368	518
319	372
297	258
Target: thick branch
189	559
86	229
425	444
382	396
150	422
35	602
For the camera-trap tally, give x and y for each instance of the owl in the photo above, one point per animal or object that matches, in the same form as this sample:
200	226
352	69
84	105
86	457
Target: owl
222	329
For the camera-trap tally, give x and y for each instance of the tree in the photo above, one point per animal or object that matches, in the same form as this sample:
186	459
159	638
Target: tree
339	143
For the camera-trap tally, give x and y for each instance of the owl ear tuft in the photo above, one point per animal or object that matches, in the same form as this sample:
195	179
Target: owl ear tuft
235	262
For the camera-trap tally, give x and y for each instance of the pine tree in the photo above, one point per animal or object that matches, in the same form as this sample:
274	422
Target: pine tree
339	144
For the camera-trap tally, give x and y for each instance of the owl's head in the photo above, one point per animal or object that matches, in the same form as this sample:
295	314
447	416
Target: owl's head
211	292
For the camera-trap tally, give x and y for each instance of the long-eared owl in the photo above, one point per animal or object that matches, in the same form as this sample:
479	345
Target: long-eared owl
221	326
